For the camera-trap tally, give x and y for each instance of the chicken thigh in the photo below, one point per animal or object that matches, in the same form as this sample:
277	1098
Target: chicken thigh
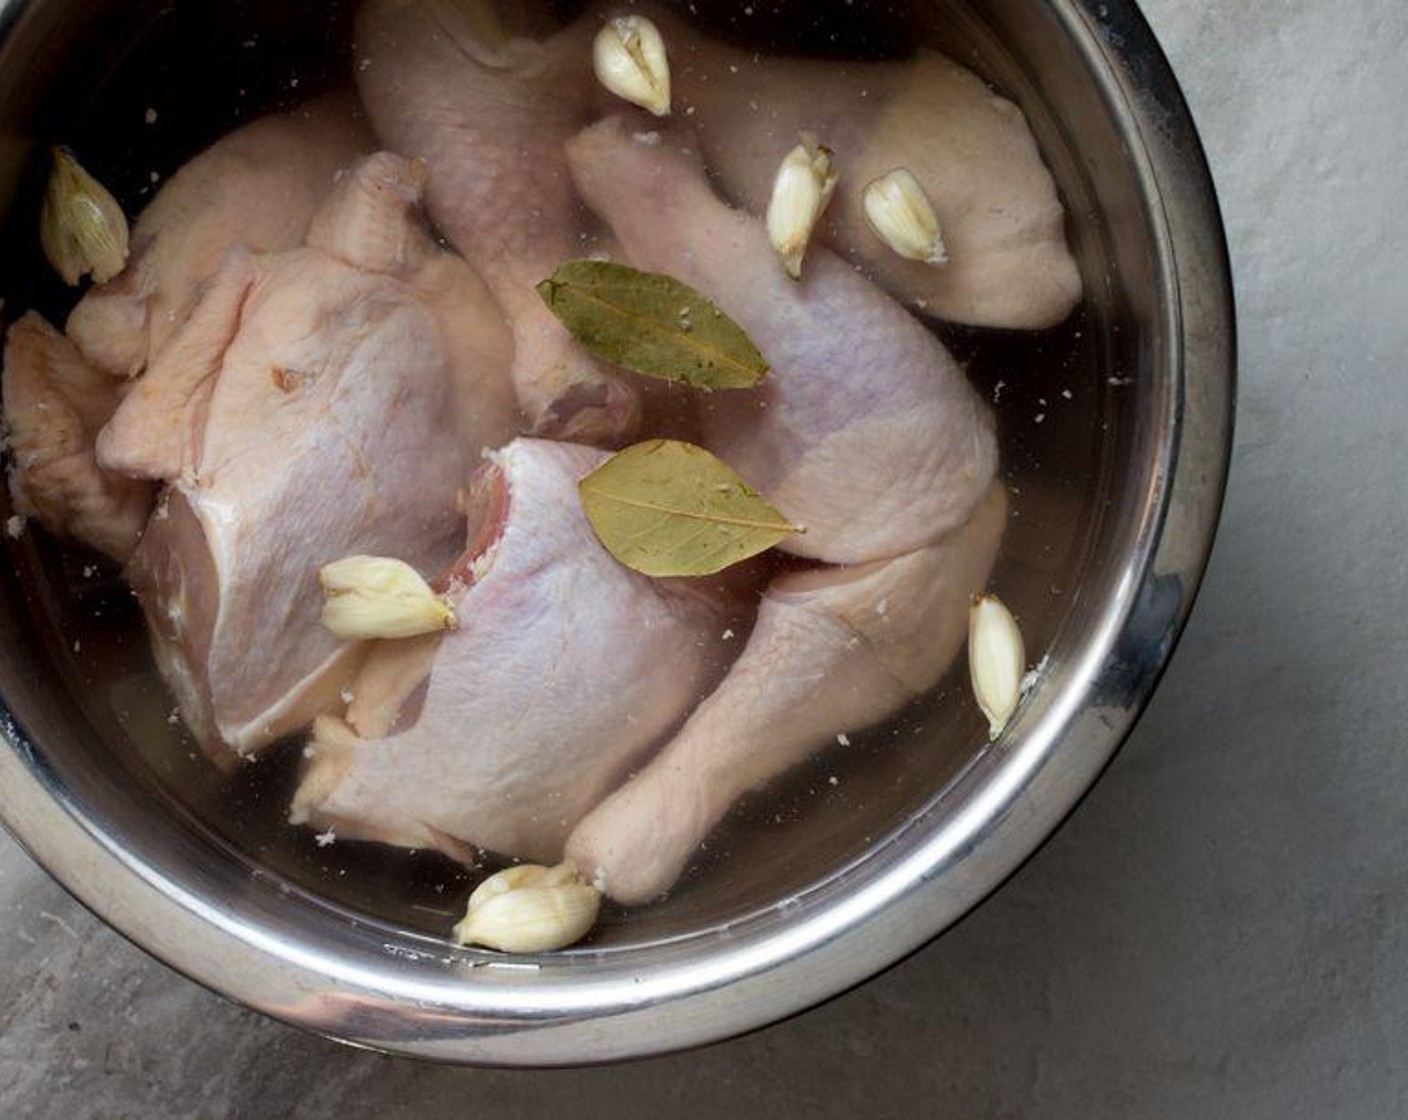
55	403
970	150
564	668
866	432
489	118
309	409
257	187
834	650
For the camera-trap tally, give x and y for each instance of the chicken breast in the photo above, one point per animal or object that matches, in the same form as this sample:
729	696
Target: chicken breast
309	409
258	188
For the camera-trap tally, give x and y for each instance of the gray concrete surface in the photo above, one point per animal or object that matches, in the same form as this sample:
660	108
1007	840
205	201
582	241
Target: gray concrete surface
1219	932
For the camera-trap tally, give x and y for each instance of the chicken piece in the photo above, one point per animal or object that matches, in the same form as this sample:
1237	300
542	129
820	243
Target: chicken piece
55	402
867	432
489	117
834	649
257	187
308	410
970	149
565	668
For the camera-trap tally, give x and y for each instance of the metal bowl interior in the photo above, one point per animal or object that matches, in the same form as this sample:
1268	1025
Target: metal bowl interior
810	886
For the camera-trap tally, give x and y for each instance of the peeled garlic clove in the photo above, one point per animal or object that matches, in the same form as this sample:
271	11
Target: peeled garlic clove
903	218
629	57
377	597
996	660
81	227
804	184
529	909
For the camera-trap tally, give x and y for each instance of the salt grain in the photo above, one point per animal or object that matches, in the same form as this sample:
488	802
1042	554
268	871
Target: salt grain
843	739
324	839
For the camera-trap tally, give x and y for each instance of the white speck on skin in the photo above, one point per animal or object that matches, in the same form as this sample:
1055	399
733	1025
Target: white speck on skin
843	739
650	139
324	839
1068	395
997	391
310	751
727	635
346	696
14	526
834	780
150	115
1038	418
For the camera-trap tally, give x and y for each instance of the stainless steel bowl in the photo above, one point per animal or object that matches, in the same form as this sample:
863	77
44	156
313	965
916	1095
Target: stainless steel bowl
805	890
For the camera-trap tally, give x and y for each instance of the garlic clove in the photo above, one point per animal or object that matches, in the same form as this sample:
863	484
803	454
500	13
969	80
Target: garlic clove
996	660
805	181
901	215
529	909
378	597
82	229
630	61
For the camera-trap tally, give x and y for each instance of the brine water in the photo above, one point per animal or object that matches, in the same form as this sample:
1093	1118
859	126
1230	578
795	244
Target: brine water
139	110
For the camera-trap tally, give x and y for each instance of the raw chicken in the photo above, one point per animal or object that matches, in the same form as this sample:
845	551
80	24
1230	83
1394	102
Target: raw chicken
834	650
867	433
55	402
310	408
565	668
489	116
971	151
865	430
257	187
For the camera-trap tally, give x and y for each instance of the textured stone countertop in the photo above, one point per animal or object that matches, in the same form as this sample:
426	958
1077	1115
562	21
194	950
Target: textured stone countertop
1218	932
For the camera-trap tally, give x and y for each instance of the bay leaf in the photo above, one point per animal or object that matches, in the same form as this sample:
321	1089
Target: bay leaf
669	508
653	324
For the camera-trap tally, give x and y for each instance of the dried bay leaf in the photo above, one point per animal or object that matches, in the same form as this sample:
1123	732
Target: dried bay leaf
653	324
668	508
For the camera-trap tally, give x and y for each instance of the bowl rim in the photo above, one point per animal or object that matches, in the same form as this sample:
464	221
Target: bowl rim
466	1006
